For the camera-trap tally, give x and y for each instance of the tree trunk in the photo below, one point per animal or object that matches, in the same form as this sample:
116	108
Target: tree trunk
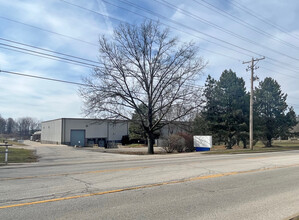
229	144
244	143
269	143
150	144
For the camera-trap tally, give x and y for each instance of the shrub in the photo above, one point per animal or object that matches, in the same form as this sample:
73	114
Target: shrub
166	146
125	140
189	144
174	142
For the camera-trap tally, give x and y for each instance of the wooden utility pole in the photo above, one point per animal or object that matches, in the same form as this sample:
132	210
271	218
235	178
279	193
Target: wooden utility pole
251	67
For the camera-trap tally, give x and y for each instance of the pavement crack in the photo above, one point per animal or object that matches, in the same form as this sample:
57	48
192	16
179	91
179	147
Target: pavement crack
50	196
88	186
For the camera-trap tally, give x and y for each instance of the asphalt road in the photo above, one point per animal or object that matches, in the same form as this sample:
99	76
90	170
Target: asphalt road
189	186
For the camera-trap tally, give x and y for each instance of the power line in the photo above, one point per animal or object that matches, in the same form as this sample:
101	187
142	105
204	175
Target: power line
44	78
57	59
180	30
46	57
180	24
59	80
188	27
108	16
48	31
261	18
47	50
52	32
284	65
291	76
46	54
235	18
198	18
170	26
167	25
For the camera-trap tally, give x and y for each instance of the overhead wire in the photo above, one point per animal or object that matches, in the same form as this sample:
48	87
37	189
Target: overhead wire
198	18
46	54
166	18
263	19
122	21
185	26
46	57
53	32
188	13
43	78
48	50
233	17
167	25
58	80
48	31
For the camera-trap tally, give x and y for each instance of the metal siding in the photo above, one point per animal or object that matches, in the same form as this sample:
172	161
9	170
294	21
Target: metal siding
51	131
117	130
93	128
60	130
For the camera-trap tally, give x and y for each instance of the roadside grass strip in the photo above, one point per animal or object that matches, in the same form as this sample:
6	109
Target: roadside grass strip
147	186
18	155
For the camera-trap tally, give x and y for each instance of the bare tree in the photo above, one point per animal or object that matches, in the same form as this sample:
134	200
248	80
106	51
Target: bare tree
142	65
11	126
27	126
2	125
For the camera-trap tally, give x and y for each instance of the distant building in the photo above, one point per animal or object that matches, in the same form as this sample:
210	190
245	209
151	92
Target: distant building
87	132
83	132
36	136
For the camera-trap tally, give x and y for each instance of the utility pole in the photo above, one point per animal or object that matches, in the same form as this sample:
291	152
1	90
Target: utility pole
252	67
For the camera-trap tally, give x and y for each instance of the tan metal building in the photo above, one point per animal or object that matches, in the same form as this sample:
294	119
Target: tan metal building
83	132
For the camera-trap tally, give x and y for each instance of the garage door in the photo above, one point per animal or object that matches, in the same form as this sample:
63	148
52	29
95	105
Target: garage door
78	137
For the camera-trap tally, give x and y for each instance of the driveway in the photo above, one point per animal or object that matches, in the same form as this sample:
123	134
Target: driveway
51	154
58	154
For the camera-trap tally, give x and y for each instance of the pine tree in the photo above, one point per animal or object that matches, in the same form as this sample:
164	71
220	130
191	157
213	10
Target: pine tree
272	119
226	110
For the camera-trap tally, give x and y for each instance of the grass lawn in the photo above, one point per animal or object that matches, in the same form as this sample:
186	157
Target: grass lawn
11	142
134	146
17	155
258	148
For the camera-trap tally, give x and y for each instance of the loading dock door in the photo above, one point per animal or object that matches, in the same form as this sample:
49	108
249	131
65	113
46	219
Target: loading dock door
78	137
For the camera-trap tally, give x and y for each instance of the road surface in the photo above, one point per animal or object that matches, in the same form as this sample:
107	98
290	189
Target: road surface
81	184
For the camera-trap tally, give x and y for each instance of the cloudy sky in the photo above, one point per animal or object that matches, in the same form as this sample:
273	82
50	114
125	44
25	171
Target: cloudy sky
227	32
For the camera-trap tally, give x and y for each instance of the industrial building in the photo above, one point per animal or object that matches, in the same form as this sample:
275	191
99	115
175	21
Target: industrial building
83	132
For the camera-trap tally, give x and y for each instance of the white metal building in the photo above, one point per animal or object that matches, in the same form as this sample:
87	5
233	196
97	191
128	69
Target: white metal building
82	132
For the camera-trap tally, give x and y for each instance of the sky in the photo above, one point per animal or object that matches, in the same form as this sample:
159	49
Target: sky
227	33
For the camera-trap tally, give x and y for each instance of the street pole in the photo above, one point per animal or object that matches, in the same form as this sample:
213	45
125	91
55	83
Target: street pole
251	108
6	151
252	67
6	154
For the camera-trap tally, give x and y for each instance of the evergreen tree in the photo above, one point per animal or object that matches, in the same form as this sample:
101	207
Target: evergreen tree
227	107
272	119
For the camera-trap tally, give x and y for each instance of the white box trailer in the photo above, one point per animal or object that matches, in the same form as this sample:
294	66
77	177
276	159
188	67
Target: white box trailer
202	142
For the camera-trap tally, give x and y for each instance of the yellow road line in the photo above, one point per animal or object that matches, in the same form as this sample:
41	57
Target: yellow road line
73	173
146	186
